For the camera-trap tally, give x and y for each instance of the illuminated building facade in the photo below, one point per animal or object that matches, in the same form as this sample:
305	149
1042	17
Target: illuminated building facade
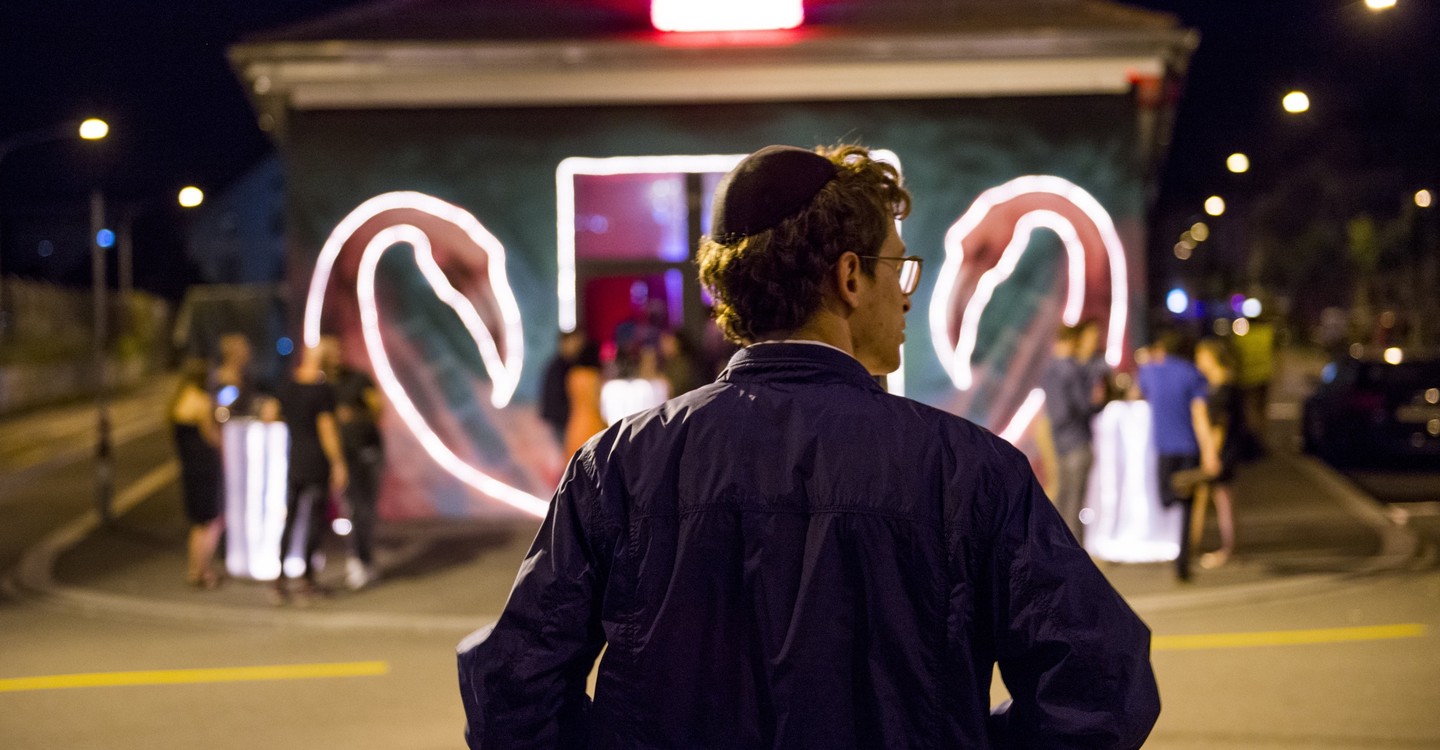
467	178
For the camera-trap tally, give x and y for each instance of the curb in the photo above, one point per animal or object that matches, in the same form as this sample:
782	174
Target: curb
32	578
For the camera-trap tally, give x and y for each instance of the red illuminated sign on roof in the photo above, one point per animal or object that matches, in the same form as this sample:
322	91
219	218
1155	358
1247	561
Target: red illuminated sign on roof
726	15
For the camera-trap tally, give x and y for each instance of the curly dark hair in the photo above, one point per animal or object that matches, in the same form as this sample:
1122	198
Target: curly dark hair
772	282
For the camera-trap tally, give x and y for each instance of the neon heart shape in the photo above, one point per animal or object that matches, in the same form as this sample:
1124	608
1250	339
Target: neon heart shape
983	248
423	222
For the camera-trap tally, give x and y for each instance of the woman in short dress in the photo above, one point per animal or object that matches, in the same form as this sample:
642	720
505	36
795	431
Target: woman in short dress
197	444
1227	423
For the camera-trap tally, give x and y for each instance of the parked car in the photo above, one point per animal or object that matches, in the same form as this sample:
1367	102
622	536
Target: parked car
1377	408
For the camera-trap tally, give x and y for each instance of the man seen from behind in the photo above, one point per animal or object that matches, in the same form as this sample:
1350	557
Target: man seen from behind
790	557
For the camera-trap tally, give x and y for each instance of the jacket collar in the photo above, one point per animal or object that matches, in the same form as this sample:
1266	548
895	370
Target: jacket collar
797	363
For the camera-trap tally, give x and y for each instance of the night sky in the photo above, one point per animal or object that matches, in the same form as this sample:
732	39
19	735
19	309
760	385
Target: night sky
157	72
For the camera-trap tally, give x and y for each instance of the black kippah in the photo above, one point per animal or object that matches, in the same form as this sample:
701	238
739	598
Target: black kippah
766	188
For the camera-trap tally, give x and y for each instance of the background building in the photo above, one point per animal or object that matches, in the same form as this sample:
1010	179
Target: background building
581	145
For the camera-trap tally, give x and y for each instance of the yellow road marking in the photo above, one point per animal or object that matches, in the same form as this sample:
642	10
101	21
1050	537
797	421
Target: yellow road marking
195	676
1286	637
378	668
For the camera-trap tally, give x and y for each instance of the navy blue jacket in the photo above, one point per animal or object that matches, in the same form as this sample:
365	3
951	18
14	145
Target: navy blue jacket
793	558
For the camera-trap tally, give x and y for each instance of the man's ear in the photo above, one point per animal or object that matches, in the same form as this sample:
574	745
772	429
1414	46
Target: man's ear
846	277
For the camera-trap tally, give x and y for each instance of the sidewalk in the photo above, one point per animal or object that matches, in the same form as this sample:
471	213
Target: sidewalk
1299	525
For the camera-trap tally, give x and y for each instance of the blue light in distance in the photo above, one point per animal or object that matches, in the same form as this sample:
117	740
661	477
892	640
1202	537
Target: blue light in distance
1177	301
227	395
284	346
105	238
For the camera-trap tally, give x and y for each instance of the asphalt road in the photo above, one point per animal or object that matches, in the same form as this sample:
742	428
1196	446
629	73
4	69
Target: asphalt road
1350	664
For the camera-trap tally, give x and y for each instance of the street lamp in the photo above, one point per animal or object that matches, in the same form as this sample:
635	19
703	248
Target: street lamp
1215	205
1296	102
92	129
1379	5
188	197
1423	198
191	196
1238	163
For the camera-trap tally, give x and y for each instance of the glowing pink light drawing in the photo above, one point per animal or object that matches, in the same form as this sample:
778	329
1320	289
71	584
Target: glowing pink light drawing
1005	217
418	219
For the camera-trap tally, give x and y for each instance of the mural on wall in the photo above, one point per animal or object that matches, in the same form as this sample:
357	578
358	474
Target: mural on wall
463	266
983	249
999	288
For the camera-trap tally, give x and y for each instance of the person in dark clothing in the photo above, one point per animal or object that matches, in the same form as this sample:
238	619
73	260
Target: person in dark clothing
357	415
1071	402
790	557
682	372
554	400
197	445
306	403
1231	434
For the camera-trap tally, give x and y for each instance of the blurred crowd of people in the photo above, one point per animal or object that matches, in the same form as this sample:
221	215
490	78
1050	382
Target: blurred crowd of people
1203	420
331	412
587	387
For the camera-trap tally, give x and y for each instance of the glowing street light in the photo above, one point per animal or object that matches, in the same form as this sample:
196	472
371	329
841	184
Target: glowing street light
1379	5
1238	163
1296	102
94	129
1423	198
1215	205
1200	231
1177	301
191	196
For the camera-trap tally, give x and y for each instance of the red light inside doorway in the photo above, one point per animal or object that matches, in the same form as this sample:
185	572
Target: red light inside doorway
726	15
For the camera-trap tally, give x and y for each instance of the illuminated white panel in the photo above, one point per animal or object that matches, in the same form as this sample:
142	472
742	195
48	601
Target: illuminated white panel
232	441
395	392
1127	521
265	565
621	398
726	15
256	463
504	371
958	361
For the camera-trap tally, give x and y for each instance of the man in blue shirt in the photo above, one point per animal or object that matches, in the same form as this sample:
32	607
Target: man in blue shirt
1180	417
791	557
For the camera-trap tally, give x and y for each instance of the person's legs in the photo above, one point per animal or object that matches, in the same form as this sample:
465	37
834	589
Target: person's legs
287	533
1168	466
1225	518
204	538
194	557
315	498
1074	478
362	493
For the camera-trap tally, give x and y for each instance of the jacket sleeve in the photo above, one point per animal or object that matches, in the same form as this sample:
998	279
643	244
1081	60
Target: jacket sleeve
1074	656
522	680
